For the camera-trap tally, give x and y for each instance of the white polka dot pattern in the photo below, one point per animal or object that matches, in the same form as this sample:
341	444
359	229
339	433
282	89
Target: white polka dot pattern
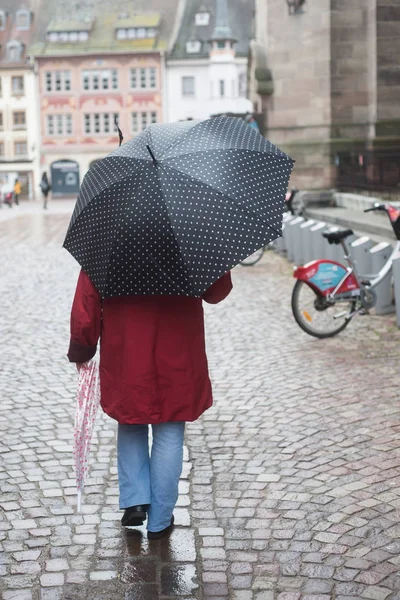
214	195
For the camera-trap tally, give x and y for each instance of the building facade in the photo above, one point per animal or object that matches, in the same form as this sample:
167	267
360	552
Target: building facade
326	77
19	128
103	68
207	63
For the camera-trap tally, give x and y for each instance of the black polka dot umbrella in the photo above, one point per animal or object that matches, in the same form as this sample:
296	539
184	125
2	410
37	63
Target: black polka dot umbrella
177	207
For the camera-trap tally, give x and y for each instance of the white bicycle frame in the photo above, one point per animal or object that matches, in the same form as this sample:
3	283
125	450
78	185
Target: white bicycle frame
374	280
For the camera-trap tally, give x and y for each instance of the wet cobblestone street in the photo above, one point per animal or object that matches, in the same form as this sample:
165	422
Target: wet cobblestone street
291	482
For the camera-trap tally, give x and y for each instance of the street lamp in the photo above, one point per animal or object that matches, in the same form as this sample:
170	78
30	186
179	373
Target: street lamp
295	6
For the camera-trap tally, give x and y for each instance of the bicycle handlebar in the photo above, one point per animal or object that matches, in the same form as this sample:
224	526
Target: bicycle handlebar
375	207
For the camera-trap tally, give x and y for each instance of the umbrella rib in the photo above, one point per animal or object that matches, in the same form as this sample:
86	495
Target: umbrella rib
250	212
206	150
189	278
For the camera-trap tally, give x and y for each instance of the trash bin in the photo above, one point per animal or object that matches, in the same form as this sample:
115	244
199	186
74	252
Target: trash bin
384	292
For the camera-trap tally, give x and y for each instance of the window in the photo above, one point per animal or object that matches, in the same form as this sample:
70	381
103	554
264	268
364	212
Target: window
187	86
1	90
17	85
23	19
152	78
202	18
121	34
141	32
1	120
100	123
14	51
145	78
73	36
21	149
19	121
100	80
86	124
1	149
3	19
58	81
59	124
83	36
221	88
141	120
193	46
243	85
131	33
220	44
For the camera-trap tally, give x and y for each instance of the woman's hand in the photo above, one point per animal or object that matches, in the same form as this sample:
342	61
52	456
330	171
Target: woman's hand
80	366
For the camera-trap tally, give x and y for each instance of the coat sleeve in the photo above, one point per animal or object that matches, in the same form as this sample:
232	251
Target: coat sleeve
219	290
85	321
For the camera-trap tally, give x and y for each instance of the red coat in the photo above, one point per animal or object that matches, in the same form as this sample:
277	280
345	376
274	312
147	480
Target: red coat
153	364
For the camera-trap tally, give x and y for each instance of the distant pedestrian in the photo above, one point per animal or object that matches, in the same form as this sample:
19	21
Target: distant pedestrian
17	191
45	187
153	370
8	199
250	120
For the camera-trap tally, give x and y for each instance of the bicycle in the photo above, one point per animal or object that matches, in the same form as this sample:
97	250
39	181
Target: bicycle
324	287
292	207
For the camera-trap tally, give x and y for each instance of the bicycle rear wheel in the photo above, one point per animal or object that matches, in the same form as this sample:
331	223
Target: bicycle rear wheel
253	258
317	316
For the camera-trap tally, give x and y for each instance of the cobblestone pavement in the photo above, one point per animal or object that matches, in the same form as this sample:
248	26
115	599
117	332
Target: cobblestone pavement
291	486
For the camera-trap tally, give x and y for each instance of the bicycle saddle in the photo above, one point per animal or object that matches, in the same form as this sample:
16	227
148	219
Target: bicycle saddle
337	236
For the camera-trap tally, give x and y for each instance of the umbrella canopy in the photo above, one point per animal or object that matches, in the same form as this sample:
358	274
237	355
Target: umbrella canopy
177	207
87	403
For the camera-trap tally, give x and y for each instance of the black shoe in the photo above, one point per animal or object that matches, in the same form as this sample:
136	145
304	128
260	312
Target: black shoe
134	515
156	535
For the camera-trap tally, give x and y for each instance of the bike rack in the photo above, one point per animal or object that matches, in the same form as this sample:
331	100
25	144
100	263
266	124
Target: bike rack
317	242
396	276
280	243
384	301
292	232
304	254
360	253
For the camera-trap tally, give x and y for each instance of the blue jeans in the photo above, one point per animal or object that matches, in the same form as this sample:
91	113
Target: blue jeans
154	479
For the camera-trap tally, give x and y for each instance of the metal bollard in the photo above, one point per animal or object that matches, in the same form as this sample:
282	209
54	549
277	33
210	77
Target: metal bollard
304	246
316	240
384	301
396	276
292	232
360	253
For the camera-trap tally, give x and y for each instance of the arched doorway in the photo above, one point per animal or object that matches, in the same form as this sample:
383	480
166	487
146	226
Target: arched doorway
64	178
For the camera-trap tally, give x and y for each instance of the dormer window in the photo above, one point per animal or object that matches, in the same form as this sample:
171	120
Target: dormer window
23	19
132	33
202	18
3	19
67	36
14	51
193	46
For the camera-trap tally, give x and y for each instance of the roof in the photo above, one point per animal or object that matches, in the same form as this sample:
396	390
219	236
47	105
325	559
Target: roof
150	20
240	15
11	33
70	25
106	16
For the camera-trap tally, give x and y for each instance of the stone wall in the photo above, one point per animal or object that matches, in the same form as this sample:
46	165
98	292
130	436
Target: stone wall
298	112
336	87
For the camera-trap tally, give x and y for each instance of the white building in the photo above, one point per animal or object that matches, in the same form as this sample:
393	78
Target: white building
19	122
206	72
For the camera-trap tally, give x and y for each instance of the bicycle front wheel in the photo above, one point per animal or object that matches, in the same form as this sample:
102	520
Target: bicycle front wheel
253	258
316	315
